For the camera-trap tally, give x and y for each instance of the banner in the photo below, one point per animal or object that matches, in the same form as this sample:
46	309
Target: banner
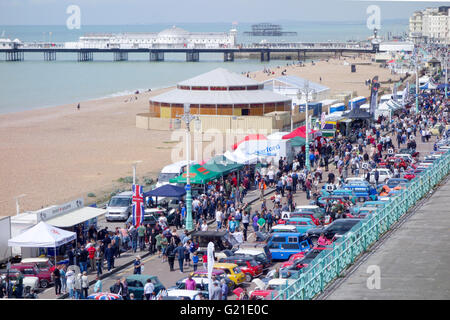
138	205
210	255
374	94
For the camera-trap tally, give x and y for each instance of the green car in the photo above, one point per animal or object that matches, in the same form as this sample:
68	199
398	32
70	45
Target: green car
136	283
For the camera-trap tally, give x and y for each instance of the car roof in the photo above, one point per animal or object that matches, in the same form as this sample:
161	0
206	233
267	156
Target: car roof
300	219
141	277
306	207
239	258
278	281
219	272
284	226
32	260
249	251
182	293
224	265
287	234
124	194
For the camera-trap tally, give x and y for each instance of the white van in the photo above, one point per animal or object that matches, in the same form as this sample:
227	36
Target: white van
171	171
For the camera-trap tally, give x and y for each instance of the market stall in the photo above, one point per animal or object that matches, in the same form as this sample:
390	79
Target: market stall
43	235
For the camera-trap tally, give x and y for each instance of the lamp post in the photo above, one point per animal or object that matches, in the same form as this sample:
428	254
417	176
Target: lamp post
187	117
306	92
416	65
134	170
17	203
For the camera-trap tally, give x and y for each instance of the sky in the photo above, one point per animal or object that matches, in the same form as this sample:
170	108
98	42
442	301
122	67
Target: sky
133	12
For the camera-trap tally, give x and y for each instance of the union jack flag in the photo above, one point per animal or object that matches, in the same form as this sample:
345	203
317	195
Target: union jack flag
138	205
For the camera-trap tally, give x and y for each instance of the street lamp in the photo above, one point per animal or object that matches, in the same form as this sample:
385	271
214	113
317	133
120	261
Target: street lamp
306	92
17	203
416	66
134	170
187	117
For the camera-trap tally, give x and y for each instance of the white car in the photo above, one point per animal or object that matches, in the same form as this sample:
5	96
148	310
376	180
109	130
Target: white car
185	294
384	175
406	157
32	282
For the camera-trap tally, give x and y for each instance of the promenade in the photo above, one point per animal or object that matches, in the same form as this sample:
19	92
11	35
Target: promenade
413	261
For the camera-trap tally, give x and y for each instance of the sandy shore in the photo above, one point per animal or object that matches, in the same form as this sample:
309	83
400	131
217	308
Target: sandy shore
60	153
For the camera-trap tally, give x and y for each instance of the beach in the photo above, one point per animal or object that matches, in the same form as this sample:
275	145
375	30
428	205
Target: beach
57	154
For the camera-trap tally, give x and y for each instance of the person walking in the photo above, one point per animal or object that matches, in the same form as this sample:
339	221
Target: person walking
195	261
224	288
109	256
180	253
77	287
137	265
85	285
141	236
57	280
170	252
99	260
62	272
216	291
149	289
83	259
70	276
98	286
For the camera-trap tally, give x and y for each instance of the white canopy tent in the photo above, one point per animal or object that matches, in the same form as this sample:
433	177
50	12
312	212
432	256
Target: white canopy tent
239	157
42	235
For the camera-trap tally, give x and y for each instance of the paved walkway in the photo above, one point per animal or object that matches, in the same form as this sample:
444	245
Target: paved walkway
413	262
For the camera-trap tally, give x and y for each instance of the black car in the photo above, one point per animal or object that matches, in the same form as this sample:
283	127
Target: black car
337	228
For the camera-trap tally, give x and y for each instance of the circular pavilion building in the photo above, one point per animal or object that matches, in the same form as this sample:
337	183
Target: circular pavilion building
219	92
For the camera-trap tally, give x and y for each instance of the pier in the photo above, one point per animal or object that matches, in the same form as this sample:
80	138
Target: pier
300	50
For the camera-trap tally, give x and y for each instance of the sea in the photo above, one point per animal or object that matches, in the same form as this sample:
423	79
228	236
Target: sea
35	83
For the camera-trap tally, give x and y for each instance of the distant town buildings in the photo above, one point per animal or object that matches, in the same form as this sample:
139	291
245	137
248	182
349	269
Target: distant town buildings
431	25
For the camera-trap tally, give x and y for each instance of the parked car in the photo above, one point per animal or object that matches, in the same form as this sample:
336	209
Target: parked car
233	272
31	270
258	255
314	212
219	273
119	207
292	259
283	245
283	228
136	283
44	264
249	266
220	239
301	224
393	182
336	229
272	287
362	190
29	281
384	175
187	294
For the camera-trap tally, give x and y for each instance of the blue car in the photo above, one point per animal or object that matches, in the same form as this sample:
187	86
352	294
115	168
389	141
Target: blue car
301	224
283	245
368	204
362	190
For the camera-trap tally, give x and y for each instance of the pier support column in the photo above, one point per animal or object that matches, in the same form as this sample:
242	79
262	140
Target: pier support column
120	56
14	55
192	56
265	56
49	55
85	56
156	56
228	56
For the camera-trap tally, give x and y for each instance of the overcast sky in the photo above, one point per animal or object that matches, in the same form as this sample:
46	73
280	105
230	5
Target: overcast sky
131	12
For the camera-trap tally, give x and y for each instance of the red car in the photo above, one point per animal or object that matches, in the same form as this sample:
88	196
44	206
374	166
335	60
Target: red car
292	259
30	270
249	266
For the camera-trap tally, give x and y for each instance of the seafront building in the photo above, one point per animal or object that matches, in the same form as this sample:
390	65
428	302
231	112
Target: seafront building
174	37
431	25
219	92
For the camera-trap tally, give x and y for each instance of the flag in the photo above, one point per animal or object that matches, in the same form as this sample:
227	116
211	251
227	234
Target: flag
210	255
138	205
374	94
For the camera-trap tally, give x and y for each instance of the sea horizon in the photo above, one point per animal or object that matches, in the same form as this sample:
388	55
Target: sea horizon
35	83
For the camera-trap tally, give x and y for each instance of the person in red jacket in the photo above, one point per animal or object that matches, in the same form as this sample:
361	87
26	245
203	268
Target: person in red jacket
91	254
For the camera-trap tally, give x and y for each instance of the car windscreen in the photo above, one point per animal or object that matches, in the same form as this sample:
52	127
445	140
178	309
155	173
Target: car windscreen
165	177
119	202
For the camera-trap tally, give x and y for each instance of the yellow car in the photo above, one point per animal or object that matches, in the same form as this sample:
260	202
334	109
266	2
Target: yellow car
232	271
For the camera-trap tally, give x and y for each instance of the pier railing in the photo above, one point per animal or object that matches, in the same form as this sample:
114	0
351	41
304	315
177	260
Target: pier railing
330	264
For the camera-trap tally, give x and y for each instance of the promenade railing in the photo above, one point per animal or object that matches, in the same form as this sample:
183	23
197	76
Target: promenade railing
330	264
